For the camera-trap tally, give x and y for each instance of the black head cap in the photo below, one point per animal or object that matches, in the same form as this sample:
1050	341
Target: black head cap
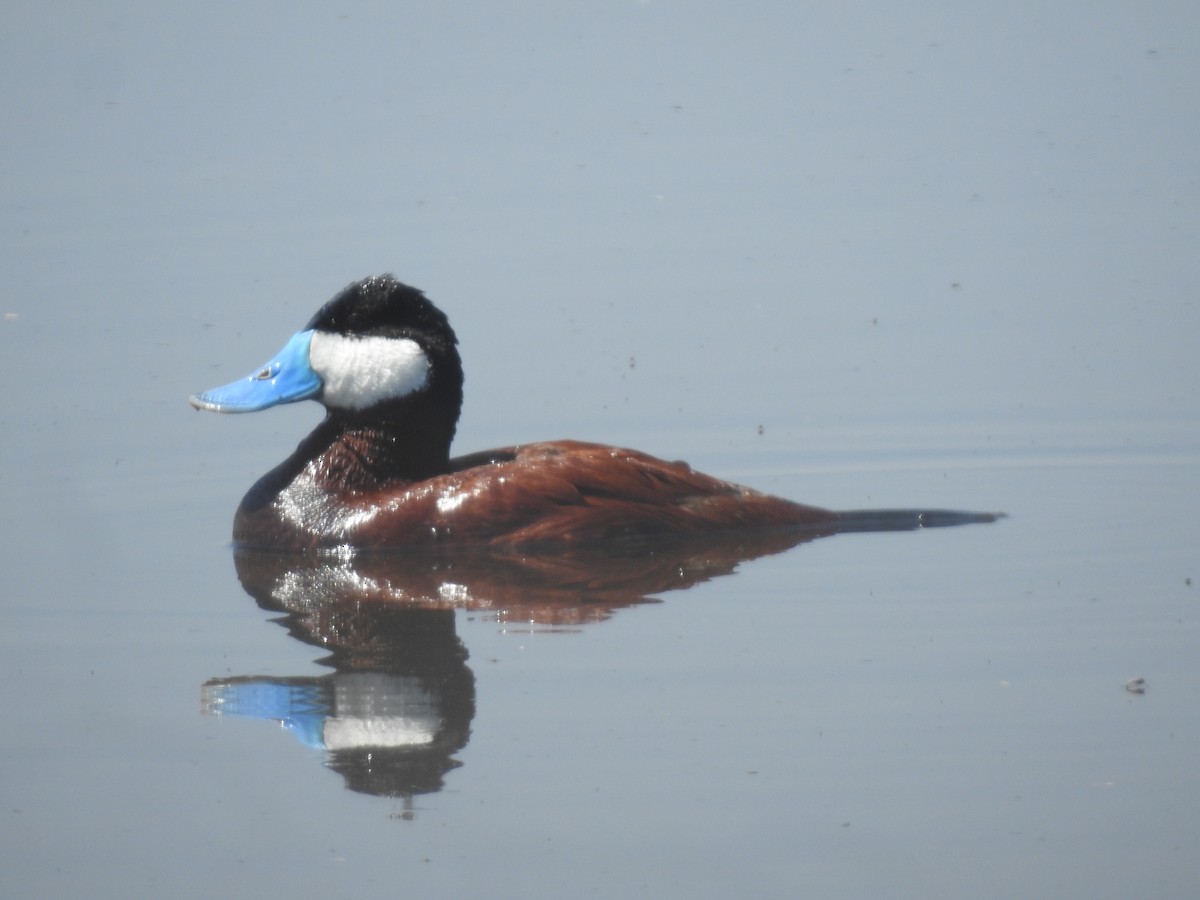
384	307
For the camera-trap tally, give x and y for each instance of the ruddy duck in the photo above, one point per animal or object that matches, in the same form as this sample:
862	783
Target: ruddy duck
377	472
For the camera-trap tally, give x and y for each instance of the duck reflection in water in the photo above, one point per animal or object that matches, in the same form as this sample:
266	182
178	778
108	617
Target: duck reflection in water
401	698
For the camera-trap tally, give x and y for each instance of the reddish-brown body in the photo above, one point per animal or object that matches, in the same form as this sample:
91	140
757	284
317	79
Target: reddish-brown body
563	493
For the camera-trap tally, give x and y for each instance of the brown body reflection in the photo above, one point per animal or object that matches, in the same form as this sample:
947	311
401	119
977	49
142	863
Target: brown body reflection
401	698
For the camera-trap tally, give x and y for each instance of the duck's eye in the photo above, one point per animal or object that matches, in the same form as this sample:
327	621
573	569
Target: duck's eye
264	375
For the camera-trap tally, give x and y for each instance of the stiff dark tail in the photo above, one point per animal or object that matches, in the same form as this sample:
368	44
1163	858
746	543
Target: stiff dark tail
908	519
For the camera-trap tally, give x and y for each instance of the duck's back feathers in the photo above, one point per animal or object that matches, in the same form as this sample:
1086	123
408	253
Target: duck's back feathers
582	492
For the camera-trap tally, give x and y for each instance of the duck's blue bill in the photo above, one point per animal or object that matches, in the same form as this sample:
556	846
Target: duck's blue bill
285	379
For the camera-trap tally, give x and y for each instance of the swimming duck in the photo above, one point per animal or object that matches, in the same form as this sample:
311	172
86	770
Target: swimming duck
377	471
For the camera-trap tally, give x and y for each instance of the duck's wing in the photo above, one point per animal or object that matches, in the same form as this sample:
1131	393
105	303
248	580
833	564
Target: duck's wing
572	492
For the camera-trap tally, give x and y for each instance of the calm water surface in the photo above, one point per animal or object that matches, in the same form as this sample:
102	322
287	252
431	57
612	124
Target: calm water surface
949	704
938	259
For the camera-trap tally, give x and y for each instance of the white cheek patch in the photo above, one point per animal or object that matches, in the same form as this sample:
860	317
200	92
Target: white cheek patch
360	372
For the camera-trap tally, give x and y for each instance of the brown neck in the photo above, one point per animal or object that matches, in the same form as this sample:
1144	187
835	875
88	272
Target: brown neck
351	457
361	457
